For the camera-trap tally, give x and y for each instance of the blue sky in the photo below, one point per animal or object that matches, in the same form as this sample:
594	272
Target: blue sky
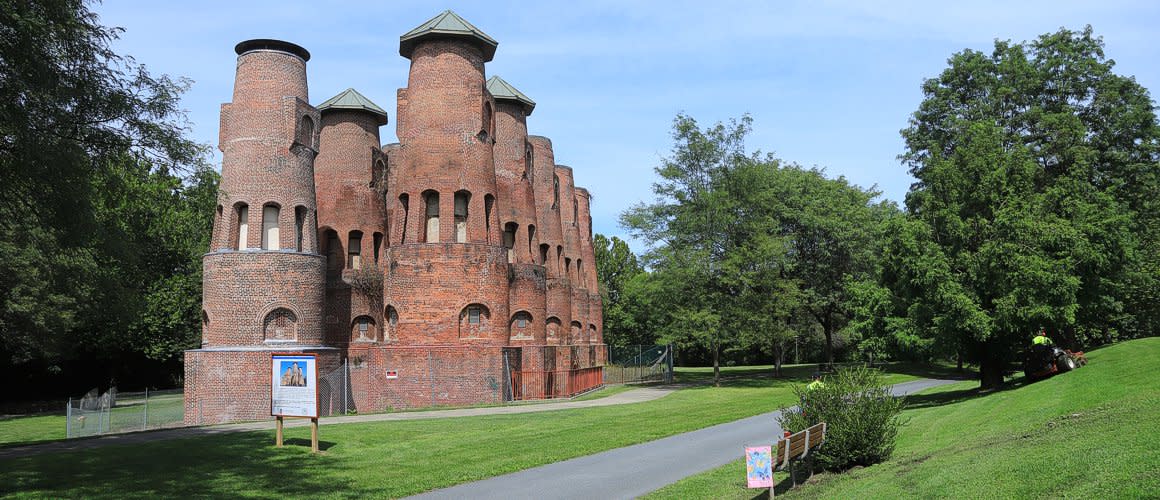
829	84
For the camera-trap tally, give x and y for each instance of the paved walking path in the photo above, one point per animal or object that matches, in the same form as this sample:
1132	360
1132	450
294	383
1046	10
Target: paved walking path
633	396
636	470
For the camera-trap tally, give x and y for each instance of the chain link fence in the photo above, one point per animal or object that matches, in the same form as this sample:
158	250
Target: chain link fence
638	364
116	412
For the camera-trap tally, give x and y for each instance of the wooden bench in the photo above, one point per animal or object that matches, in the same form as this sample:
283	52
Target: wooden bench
796	447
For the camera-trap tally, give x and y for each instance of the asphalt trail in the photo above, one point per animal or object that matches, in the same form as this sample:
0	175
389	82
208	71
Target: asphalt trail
639	469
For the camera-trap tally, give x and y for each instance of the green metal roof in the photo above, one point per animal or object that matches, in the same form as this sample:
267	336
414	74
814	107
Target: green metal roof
351	99
447	25
504	91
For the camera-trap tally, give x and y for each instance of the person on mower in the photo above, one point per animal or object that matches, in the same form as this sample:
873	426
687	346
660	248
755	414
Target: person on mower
816	384
1041	339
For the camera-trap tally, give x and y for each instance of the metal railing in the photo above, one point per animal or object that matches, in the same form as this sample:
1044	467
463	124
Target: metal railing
532	385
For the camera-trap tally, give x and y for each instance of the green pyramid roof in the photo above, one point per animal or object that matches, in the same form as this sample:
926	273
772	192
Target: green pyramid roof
351	99
447	25
504	91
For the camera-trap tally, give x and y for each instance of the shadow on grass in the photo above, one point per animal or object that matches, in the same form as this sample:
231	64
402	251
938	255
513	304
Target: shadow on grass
951	397
219	466
935	371
305	443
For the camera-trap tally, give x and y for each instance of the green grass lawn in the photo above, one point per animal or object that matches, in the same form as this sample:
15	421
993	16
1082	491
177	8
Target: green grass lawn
382	459
1088	434
31	429
165	410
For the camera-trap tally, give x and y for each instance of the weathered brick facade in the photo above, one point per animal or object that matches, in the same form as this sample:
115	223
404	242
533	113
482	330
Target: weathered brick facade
440	269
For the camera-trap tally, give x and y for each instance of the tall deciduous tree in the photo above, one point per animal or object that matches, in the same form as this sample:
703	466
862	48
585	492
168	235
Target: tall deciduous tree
89	146
1037	174
688	223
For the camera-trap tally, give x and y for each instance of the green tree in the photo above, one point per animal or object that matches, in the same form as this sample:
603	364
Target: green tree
688	226
615	266
1037	175
77	122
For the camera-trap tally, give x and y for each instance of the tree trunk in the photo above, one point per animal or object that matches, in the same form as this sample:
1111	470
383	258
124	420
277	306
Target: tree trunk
990	373
959	360
716	366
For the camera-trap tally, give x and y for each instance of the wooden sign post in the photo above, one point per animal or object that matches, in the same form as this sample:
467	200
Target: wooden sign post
294	392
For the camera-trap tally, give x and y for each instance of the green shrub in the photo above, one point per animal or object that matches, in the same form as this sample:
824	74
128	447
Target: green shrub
862	418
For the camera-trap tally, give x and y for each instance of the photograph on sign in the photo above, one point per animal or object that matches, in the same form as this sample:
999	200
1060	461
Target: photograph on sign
294	385
759	466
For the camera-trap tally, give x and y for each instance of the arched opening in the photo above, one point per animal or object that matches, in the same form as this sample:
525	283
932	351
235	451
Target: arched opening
363	329
552	327
392	318
531	241
431	225
204	327
270	234
560	259
591	338
544	248
333	250
241	236
575	332
488	202
568	267
575	212
280	324
509	240
518	327
485	131
306	132
474	321
462	198
217	229
555	191
378	242
299	226
529	163
404	202
354	250
580	271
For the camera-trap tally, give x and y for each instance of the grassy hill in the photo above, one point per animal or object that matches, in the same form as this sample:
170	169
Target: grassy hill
1091	433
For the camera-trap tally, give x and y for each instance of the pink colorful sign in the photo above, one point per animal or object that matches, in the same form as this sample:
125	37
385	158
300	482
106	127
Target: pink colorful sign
759	466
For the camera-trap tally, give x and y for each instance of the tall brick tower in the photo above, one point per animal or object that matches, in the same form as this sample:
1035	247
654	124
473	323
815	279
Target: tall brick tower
517	209
351	178
447	276
547	184
595	326
264	277
574	267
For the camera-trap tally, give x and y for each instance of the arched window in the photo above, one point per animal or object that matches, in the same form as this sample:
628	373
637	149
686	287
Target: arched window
243	225
519	324
592	338
552	327
531	241
333	251
474	321
488	202
559	258
529	163
354	250
217	229
431	228
280	324
404	202
306	132
378	244
392	317
555	191
575	332
270	235
568	267
575	212
485	132
509	240
544	248
204	327
363	329
580	270
299	226
462	198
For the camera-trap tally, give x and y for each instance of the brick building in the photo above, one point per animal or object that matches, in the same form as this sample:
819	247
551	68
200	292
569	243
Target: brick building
453	267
